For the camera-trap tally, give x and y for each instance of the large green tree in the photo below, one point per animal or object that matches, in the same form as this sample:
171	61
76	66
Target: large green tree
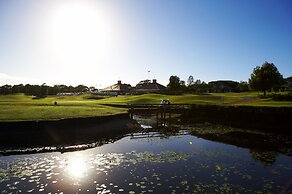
175	84
265	77
190	80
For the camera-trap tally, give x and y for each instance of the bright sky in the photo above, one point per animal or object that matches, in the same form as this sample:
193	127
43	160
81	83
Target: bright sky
97	42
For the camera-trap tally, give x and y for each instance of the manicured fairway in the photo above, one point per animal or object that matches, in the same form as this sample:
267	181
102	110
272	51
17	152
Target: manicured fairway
234	99
19	107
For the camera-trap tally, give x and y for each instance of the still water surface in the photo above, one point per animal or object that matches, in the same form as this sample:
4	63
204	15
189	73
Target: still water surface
180	163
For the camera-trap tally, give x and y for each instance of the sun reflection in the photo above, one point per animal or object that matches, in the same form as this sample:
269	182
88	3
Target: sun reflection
77	167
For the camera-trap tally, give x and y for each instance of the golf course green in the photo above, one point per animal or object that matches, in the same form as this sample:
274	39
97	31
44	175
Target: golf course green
20	107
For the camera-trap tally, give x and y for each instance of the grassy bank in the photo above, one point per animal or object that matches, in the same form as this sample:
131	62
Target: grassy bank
19	107
233	99
65	132
266	118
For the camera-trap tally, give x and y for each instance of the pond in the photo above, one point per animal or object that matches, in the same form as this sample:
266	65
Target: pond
187	160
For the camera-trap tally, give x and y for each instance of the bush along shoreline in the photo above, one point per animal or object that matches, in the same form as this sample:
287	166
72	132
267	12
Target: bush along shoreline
272	119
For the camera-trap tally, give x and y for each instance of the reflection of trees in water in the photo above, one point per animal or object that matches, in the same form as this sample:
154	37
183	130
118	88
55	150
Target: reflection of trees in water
99	141
267	158
264	147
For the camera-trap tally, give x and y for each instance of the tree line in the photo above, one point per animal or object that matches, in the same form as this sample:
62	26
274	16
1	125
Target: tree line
43	90
263	78
178	86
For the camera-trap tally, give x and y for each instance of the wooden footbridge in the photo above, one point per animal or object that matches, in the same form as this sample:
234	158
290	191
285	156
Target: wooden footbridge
162	111
159	109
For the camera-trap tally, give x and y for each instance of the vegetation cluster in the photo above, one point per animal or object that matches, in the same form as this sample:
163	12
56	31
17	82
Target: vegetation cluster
19	107
279	97
42	102
41	91
264	78
250	117
177	86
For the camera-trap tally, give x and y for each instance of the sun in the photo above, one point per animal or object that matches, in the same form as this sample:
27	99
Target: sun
79	33
77	167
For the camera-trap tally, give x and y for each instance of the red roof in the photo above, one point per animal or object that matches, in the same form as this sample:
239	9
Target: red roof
118	87
143	86
149	87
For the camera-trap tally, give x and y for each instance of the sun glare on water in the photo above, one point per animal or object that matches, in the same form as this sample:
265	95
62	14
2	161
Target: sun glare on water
77	167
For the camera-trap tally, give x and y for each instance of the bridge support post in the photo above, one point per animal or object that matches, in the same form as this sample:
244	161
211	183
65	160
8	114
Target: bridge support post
164	115
131	112
157	118
169	117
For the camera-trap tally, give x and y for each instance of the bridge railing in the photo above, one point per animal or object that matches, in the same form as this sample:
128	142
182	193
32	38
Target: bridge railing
155	106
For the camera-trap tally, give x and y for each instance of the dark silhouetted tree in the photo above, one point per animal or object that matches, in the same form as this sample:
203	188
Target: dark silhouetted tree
6	89
81	88
265	78
198	87
242	87
44	90
18	88
223	86
183	86
175	85
198	82
190	80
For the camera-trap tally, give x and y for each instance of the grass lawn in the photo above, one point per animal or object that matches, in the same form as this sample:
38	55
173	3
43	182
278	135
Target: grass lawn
19	107
235	99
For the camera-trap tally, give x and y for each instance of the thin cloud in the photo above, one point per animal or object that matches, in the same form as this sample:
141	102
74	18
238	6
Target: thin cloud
14	80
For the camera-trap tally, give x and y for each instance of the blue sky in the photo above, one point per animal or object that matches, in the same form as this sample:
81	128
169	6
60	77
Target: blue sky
99	42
